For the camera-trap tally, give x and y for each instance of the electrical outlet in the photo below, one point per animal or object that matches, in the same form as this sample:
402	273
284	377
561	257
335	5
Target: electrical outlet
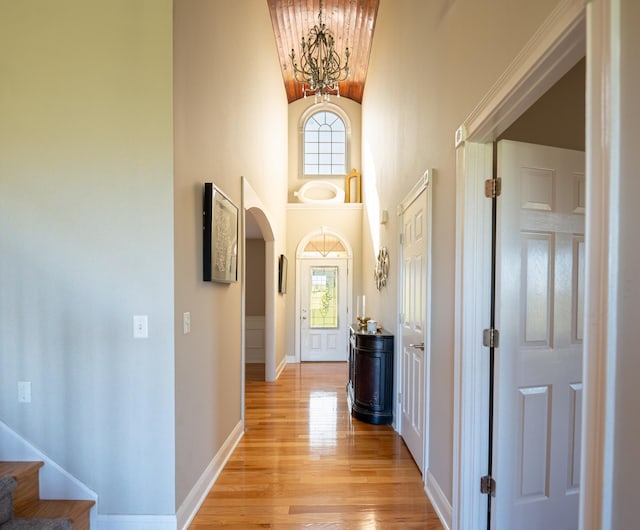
24	391
186	322
140	327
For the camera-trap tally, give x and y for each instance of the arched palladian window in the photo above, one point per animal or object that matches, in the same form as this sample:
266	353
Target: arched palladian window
325	142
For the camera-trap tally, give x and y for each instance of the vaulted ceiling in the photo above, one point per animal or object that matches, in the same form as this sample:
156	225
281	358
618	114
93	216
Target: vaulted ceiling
352	23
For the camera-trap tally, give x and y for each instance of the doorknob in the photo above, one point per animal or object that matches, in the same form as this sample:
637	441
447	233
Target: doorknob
417	346
304	318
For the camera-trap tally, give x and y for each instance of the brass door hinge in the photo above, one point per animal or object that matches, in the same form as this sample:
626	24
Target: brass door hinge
492	188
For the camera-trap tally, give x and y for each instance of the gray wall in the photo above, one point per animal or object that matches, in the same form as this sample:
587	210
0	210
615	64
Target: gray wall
558	117
254	298
86	241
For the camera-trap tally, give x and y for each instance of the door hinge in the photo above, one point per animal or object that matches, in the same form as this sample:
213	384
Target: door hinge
491	338
401	238
488	485
492	188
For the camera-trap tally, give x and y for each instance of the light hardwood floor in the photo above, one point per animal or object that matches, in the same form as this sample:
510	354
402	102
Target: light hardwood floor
305	463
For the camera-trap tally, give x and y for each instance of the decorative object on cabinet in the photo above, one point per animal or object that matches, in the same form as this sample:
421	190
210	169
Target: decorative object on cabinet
220	233
283	265
347	186
370	384
361	312
381	272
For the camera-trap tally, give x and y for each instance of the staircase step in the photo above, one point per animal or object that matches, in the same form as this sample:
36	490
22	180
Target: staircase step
26	474
27	502
76	511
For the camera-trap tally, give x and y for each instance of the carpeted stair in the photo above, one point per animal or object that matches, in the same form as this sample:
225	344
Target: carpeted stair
21	506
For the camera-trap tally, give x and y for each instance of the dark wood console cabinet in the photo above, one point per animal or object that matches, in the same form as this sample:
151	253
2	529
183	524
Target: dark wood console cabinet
370	385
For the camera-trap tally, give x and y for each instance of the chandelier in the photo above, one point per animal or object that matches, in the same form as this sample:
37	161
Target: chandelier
320	68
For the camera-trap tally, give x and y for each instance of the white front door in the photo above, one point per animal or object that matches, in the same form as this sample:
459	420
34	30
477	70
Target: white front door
323	311
414	323
540	297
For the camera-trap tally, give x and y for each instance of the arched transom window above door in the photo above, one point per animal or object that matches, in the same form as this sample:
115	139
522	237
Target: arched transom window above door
324	245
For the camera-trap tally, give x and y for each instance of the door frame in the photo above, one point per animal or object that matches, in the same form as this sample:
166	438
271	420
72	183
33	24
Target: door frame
425	184
300	257
557	45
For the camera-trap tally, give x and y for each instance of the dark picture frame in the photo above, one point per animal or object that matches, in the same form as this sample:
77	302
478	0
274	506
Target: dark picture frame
283	265
220	236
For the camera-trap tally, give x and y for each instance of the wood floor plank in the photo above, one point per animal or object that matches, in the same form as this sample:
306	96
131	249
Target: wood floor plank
304	462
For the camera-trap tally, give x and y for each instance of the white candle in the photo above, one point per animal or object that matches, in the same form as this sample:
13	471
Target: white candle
364	311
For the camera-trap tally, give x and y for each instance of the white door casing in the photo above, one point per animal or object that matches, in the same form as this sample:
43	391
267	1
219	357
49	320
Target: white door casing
414	318
323	310
557	45
539	313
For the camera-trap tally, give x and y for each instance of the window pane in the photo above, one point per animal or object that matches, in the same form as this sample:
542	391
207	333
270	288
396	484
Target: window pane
324	297
324	134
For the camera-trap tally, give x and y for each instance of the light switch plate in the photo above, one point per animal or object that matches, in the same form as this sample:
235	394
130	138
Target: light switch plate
140	327
186	322
24	391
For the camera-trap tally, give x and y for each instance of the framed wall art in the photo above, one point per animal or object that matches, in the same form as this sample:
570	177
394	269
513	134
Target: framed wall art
220	230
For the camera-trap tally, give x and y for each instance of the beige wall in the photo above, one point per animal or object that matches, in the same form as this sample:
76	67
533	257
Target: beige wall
409	126
254	298
86	239
558	117
296	111
230	121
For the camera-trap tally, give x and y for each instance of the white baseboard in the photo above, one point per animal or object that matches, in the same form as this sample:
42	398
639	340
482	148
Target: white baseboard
291	359
135	522
281	366
439	501
188	509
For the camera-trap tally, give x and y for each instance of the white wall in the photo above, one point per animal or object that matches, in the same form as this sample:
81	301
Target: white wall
230	121
86	227
409	126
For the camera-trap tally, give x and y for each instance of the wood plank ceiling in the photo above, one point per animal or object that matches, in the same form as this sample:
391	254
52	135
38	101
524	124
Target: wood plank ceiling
352	23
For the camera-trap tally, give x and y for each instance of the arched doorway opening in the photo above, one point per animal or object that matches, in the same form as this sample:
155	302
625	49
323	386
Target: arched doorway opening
324	296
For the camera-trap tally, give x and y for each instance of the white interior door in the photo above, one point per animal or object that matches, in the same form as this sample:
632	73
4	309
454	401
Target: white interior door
540	294
414	323
323	311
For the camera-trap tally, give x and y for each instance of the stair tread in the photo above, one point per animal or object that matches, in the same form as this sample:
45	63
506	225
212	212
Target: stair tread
17	469
52	509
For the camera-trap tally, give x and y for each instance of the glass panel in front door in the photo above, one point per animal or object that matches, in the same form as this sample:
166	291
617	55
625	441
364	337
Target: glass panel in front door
323	301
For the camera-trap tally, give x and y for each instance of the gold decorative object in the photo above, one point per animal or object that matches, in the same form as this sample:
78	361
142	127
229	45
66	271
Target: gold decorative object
347	186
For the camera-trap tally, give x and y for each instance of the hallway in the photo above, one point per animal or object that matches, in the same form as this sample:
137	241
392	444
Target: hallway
305	463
